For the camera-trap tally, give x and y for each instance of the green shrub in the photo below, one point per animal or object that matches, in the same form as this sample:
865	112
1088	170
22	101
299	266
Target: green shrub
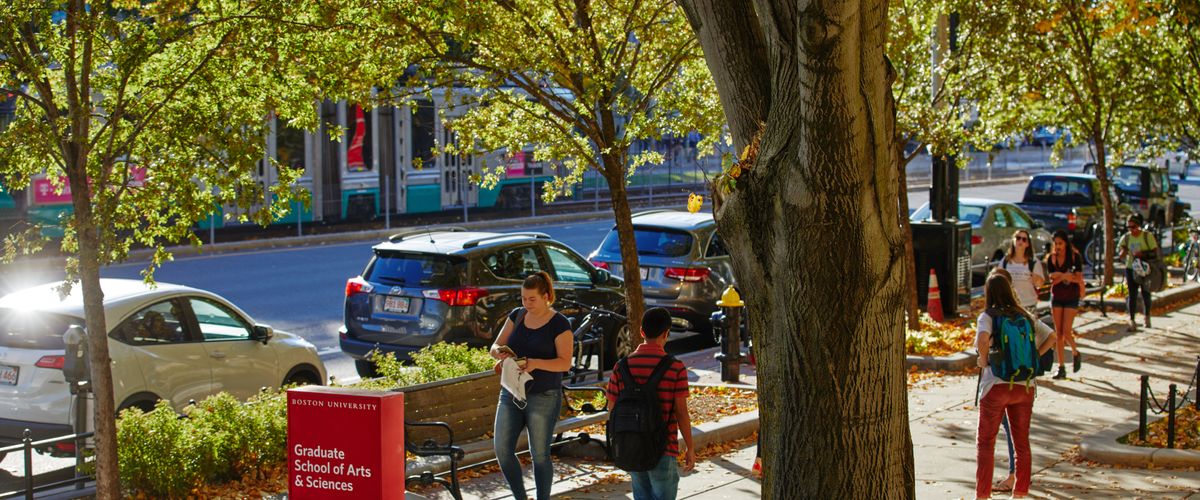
434	362
221	439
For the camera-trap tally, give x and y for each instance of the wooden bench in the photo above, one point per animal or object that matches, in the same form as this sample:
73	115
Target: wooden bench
454	419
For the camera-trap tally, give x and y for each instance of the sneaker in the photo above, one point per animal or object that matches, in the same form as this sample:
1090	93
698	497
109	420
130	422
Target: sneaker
1147	321
1062	373
1077	361
1132	325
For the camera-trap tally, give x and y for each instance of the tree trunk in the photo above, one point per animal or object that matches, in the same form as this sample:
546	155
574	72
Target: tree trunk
1109	215
631	271
104	416
911	307
812	230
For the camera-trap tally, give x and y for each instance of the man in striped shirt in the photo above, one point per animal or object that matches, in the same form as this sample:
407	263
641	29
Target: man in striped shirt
661	483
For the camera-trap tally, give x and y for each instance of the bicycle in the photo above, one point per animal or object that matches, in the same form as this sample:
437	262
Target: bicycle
591	334
1190	250
1093	252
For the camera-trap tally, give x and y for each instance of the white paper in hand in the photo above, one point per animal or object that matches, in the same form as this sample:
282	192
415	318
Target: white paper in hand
512	379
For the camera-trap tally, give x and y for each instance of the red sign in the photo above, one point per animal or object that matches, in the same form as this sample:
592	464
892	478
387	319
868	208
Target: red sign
44	192
516	164
345	443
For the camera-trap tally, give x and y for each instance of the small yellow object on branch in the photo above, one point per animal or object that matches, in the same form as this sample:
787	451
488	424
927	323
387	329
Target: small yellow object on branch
694	202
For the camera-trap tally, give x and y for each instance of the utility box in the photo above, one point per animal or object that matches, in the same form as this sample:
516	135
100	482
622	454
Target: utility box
944	247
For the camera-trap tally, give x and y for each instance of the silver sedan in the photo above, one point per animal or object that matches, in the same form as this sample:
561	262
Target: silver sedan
992	225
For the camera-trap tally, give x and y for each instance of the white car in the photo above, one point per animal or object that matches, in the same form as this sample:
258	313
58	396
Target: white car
168	342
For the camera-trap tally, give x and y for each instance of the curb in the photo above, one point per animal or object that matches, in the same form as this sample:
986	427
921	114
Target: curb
1183	292
1103	447
954	362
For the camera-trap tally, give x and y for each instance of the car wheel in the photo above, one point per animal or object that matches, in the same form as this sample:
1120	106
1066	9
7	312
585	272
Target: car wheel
301	378
365	369
619	343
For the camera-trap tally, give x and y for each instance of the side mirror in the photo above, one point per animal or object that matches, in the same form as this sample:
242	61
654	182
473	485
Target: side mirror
601	277
263	333
1037	224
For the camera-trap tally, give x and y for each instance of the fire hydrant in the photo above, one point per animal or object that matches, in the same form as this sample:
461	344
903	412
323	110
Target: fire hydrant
731	346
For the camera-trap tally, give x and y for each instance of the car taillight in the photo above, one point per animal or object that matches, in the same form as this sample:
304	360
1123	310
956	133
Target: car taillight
461	296
65	448
687	273
357	285
54	362
976	239
601	265
1072	219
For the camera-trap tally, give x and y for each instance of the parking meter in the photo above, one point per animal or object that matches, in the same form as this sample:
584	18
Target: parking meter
731	353
76	367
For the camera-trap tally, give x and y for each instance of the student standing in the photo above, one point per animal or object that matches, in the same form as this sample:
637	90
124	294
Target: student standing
541	337
1005	320
661	481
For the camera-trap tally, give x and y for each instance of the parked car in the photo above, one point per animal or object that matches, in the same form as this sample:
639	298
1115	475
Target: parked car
992	225
450	285
1070	202
1148	190
166	342
684	265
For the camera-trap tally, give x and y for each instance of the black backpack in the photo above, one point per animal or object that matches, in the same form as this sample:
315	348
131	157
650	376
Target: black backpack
637	433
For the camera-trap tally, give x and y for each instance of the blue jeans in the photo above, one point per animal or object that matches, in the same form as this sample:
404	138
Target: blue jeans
659	483
1008	437
539	415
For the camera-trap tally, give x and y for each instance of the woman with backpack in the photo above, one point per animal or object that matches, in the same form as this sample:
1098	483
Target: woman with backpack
1026	271
1140	247
540	340
1009	341
1066	288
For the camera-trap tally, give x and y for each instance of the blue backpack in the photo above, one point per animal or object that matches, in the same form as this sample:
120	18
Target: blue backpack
1013	355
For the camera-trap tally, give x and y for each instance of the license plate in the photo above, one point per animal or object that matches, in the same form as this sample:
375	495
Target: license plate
645	273
395	304
8	375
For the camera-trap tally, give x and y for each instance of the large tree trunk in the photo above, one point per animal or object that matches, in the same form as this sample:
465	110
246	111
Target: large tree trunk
812	228
104	416
630	268
1109	215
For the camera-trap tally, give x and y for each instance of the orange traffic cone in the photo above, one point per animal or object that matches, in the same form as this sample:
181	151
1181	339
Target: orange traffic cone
934	303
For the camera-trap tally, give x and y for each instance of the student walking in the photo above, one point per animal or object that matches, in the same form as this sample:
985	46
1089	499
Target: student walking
1136	246
1024	268
1066	288
540	340
1009	341
650	386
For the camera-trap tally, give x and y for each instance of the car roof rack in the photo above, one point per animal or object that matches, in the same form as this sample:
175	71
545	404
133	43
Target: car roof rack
429	230
654	211
475	242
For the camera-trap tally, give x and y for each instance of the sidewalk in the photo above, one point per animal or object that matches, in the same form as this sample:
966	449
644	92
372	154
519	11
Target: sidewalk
943	419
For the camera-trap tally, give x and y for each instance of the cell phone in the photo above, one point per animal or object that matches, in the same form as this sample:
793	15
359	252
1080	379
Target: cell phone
507	350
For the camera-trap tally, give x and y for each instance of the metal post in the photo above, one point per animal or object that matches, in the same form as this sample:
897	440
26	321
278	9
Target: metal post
212	228
532	197
731	347
1171	417
299	219
596	197
1142	405
27	440
1196	384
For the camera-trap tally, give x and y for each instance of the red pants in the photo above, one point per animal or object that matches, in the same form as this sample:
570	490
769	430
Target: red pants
1017	401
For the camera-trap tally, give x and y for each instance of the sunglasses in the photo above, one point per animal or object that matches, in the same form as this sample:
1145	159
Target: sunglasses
1020	238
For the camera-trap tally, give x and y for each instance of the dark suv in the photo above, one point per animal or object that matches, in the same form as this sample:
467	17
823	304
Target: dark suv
450	285
1149	190
684	266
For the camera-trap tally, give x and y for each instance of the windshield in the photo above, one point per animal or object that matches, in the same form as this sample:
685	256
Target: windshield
966	213
652	241
34	329
1063	190
415	270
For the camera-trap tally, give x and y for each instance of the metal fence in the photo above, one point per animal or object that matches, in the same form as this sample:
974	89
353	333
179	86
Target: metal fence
1149	403
76	487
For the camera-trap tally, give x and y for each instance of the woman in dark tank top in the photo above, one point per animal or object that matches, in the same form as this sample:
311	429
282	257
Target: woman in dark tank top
542	340
1066	278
